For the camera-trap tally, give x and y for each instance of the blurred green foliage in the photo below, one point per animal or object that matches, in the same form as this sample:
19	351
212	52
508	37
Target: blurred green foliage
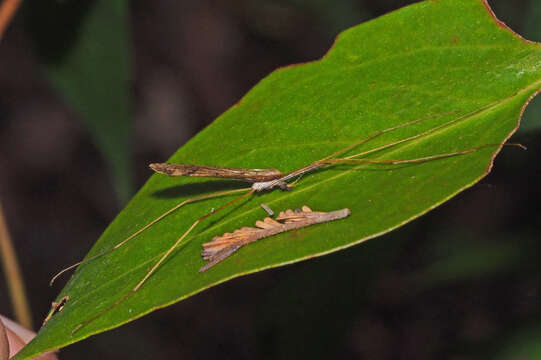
86	52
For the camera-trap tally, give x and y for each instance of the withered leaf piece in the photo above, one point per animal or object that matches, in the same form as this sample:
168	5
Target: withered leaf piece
56	307
223	246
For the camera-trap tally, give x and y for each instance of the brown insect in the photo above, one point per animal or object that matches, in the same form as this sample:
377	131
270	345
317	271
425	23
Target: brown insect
269	179
223	246
250	175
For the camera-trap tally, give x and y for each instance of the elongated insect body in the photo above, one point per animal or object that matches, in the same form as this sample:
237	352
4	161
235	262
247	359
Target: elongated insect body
250	175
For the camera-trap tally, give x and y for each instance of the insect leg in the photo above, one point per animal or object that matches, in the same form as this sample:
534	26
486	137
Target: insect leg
174	208
424	133
349	160
381	132
160	261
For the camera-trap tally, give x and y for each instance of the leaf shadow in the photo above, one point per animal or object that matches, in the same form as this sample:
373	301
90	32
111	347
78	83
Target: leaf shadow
198	188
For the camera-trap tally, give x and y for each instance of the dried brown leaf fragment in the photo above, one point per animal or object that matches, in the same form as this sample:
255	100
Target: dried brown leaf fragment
223	246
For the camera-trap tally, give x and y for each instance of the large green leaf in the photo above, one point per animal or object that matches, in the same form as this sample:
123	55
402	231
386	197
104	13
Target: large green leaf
429	58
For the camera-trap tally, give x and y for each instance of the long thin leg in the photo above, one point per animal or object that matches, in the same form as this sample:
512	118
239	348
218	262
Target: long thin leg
176	207
348	160
424	133
160	261
168	252
381	132
420	134
328	159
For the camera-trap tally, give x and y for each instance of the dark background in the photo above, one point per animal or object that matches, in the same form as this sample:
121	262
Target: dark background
460	283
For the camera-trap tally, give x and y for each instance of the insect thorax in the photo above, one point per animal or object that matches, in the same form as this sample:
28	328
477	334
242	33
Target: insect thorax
269	185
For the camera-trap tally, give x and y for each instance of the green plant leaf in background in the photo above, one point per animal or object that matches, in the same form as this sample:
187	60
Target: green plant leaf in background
466	259
532	30
84	47
429	58
523	344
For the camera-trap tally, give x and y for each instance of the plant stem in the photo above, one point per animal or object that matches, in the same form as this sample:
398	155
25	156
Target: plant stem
14	277
7	11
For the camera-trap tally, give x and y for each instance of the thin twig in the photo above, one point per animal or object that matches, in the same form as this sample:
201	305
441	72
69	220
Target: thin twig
7	11
14	278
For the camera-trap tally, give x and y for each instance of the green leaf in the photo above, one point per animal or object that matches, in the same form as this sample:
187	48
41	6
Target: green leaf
429	58
523	344
532	29
84	48
469	259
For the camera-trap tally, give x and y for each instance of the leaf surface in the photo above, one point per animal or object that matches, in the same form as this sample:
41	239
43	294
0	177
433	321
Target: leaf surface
430	58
